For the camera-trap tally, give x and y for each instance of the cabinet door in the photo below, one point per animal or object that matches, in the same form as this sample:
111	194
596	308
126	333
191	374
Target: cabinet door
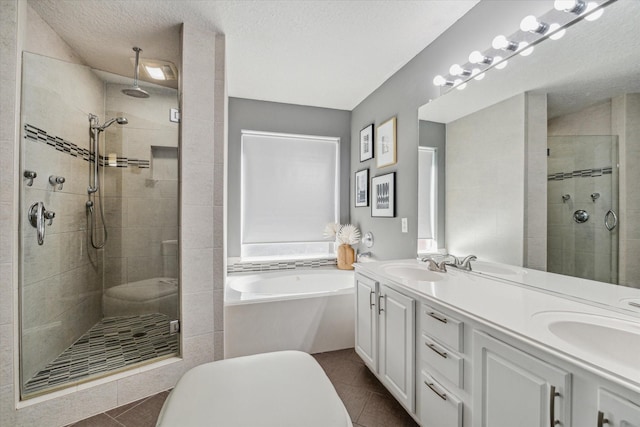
367	321
397	345
616	411
513	388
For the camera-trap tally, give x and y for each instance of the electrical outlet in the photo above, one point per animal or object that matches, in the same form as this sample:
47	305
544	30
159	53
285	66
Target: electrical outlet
405	226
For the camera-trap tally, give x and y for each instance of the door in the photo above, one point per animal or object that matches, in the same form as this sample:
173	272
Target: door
513	388
397	345
367	321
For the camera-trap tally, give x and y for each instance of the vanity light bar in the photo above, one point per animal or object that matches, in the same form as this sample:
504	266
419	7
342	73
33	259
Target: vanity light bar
459	74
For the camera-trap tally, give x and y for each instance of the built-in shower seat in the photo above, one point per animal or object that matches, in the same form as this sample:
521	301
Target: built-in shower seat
280	389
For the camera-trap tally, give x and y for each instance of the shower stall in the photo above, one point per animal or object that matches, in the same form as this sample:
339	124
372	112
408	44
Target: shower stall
99	289
582	206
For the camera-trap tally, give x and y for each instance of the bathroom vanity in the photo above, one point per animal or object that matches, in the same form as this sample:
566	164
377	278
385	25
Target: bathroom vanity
465	349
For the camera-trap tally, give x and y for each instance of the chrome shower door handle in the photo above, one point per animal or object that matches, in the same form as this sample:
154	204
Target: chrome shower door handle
37	215
610	225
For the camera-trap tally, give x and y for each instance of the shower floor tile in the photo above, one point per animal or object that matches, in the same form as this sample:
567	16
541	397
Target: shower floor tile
113	343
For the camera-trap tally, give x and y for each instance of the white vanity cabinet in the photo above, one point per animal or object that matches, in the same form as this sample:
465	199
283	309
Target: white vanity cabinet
440	354
385	337
616	411
513	388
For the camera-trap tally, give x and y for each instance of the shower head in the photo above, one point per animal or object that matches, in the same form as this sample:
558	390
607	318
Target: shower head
119	120
136	91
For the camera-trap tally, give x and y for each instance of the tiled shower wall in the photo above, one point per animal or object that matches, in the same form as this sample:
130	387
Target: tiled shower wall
61	279
141	202
620	117
201	239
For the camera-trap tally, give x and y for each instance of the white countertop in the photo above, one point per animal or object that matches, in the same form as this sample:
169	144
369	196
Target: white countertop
512	309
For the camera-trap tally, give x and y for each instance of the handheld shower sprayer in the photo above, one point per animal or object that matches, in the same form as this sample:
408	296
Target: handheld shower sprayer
94	171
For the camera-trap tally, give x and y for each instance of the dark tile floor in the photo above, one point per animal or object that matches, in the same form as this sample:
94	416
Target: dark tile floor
369	404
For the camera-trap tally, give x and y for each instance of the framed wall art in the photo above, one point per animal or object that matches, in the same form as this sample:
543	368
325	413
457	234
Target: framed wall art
362	188
383	196
366	143
386	143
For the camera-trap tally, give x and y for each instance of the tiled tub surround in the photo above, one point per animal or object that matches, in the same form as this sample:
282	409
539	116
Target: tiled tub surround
236	265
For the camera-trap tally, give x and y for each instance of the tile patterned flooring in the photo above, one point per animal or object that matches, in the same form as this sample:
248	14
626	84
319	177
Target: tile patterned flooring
369	404
113	343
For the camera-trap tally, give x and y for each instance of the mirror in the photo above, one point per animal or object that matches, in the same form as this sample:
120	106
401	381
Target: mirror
585	84
99	260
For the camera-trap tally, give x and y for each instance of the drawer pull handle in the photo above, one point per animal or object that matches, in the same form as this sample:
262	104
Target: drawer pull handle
372	304
441	395
552	406
438	318
433	347
380	309
601	419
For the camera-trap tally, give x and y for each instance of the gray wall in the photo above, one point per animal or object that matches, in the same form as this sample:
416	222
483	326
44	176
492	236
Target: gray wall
403	93
265	116
434	134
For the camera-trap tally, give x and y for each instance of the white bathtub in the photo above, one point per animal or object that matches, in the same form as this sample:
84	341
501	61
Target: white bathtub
307	310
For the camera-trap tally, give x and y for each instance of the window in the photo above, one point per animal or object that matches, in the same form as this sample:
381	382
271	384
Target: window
290	191
427	199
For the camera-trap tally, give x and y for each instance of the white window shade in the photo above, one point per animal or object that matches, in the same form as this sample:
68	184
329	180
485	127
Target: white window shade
427	201
289	188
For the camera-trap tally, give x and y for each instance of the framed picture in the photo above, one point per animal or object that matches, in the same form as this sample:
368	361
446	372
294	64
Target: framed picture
366	143
386	143
362	188
383	195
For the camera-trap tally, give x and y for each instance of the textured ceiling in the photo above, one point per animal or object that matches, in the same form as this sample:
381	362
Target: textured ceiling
322	53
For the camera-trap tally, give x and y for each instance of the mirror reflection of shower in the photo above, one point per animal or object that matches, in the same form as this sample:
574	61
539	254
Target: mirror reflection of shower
95	128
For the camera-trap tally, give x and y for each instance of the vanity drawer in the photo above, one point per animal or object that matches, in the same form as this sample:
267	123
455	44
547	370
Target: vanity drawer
442	327
439	408
447	363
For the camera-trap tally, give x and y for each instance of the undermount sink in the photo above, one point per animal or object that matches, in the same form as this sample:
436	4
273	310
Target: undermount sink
616	340
409	272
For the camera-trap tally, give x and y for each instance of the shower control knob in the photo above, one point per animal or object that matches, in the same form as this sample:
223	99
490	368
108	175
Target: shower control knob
56	181
580	216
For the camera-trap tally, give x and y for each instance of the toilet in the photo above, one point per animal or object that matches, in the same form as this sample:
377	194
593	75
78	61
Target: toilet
152	295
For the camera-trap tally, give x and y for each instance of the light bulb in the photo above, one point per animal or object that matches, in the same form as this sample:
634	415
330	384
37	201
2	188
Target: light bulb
531	24
524	50
476	57
595	15
459	85
456	70
500	42
439	80
557	35
477	74
571	6
500	65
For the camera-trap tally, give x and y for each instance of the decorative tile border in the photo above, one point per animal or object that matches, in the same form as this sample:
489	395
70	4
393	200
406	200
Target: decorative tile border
245	267
584	173
35	134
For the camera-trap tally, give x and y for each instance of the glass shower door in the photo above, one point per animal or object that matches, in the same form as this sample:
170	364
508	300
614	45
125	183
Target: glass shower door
582	207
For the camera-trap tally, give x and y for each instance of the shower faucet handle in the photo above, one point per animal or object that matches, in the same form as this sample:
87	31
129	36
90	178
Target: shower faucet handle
56	181
30	175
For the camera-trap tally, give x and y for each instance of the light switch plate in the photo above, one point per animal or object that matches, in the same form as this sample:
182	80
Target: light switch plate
405	227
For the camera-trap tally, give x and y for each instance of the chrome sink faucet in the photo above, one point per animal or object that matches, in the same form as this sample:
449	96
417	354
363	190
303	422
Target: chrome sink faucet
465	264
441	266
